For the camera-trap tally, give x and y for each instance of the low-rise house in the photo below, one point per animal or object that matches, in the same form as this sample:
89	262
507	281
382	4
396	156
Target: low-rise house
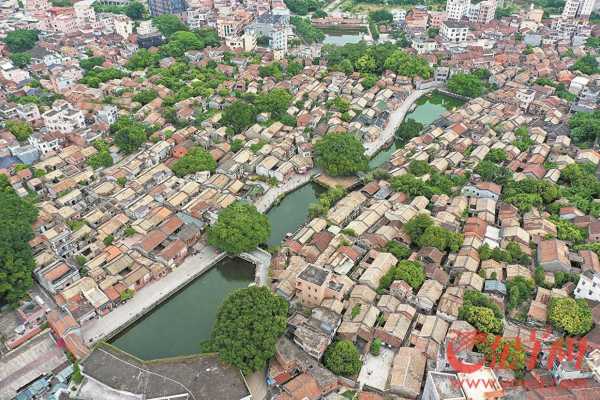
407	372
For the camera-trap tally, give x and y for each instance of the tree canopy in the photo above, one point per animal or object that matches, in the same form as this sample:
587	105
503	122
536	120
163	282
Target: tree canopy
424	233
408	271
20	129
481	312
248	325
343	358
340	154
168	24
16	258
195	160
129	135
585	127
407	64
239	228
586	64
571	316
21	39
20	60
468	85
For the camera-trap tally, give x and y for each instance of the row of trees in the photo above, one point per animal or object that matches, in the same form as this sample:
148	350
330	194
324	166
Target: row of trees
16	258
374	59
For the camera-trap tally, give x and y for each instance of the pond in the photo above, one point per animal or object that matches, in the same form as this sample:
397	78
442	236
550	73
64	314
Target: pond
428	109
178	326
291	212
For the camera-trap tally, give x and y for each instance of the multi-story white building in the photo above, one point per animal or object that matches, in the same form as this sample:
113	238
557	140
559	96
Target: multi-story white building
457	9
123	25
63	117
482	12
588	287
28	112
108	114
84	12
578	9
454	31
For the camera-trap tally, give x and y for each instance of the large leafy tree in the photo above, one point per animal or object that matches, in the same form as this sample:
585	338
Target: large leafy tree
275	102
248	325
20	60
239	116
586	64
21	39
481	312
135	10
342	358
406	64
340	154
20	129
239	228
466	85
408	271
16	257
197	159
128	134
574	317
168	24
142	59
585	127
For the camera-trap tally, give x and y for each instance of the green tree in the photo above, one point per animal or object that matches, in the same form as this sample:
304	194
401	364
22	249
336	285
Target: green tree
491	171
571	316
340	154
586	64
135	10
406	64
91	62
20	60
433	32
239	228
239	116
145	96
276	102
375	347
399	250
466	85
585	127
482	319
21	40
520	290
410	272
142	59
20	129
195	160
108	240
494	352
342	358
129	135
408	129
101	159
382	16
248	325
168	24
496	156
417	226
16	258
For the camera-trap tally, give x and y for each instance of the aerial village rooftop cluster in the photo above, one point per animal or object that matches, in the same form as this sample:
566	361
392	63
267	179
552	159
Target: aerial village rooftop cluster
123	138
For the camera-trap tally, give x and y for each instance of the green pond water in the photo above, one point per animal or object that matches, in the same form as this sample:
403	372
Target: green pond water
179	325
428	109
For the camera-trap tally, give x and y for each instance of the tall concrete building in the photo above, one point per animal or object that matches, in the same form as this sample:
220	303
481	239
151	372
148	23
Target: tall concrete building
578	8
481	12
457	9
160	7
